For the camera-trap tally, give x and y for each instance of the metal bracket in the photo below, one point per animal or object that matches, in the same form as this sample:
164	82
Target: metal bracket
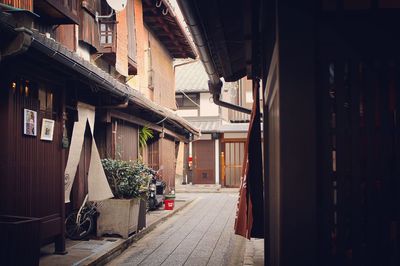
105	16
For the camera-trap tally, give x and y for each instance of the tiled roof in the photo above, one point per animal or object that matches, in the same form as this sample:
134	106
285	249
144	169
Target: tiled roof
217	125
207	126
192	77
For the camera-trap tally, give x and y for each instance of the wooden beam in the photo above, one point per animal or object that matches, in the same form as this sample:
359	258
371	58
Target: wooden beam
164	26
142	122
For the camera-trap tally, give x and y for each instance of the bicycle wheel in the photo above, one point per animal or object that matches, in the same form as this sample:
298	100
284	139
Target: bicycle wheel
79	231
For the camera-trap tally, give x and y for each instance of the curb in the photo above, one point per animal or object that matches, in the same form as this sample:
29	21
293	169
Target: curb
207	190
121	245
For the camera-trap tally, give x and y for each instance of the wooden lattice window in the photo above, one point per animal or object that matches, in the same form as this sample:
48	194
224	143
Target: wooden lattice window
106	33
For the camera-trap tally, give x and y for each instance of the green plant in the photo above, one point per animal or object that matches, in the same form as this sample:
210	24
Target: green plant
127	179
145	134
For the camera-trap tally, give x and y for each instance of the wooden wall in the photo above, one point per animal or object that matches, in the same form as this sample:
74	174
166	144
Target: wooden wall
163	73
88	28
4	135
132	47
23	4
153	153
272	193
204	162
291	181
359	166
31	176
168	161
297	111
126	142
65	34
117	140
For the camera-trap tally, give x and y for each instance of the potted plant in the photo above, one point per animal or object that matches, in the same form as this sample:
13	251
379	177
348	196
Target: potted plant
127	181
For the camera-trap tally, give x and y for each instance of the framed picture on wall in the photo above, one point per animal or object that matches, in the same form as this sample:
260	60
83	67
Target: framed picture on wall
47	129
30	122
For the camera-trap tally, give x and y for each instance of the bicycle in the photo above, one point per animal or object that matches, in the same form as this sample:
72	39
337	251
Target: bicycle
79	224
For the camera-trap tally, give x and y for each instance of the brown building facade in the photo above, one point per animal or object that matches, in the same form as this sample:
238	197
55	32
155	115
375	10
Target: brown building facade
331	90
47	72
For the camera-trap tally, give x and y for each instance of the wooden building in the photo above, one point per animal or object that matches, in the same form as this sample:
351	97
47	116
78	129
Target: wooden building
46	73
217	155
330	72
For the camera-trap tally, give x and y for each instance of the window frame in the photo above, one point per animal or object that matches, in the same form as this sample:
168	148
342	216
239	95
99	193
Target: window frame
185	103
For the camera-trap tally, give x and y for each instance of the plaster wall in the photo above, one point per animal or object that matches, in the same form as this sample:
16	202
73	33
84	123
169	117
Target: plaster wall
187	112
207	107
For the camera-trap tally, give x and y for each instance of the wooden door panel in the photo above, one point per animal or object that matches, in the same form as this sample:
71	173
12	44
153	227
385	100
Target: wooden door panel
234	155
204	162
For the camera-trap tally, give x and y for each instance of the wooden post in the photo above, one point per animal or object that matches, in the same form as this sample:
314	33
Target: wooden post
60	239
222	160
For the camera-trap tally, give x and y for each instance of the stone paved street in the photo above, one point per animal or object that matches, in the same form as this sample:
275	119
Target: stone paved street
202	234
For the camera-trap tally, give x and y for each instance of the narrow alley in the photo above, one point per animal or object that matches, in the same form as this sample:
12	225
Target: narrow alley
201	234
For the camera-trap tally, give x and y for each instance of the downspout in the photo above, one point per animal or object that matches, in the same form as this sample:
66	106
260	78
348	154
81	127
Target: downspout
185	63
216	97
215	83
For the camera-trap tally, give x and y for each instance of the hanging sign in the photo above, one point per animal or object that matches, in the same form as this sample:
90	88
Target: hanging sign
98	187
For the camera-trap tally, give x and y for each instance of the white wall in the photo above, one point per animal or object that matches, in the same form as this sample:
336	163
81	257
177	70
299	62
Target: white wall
83	51
187	112
217	181
207	107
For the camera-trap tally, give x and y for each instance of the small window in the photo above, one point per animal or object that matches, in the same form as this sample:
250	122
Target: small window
106	33
36	90
187	101
24	87
45	96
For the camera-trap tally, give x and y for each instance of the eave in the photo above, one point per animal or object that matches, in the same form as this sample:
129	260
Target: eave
71	61
161	19
222	32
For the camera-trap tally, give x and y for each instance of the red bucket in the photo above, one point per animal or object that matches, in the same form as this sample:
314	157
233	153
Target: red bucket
169	204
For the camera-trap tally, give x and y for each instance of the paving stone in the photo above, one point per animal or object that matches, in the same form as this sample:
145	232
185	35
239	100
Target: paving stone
201	235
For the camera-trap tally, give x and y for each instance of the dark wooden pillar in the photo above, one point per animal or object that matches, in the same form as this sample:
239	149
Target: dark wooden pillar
60	239
297	111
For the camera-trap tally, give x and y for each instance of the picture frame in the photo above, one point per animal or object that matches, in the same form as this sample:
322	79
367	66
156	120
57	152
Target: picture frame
30	122
47	129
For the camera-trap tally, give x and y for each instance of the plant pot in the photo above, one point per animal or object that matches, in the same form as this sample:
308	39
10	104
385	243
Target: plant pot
118	216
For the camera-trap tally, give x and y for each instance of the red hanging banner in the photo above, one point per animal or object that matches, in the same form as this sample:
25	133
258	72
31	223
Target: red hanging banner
248	223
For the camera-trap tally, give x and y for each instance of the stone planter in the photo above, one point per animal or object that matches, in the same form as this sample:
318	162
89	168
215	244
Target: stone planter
118	216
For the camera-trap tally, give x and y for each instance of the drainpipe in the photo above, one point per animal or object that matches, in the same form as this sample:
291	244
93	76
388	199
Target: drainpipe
215	83
185	63
215	90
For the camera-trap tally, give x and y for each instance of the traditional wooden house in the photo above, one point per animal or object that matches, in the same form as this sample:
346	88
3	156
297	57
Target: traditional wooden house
217	155
330	72
162	39
65	105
